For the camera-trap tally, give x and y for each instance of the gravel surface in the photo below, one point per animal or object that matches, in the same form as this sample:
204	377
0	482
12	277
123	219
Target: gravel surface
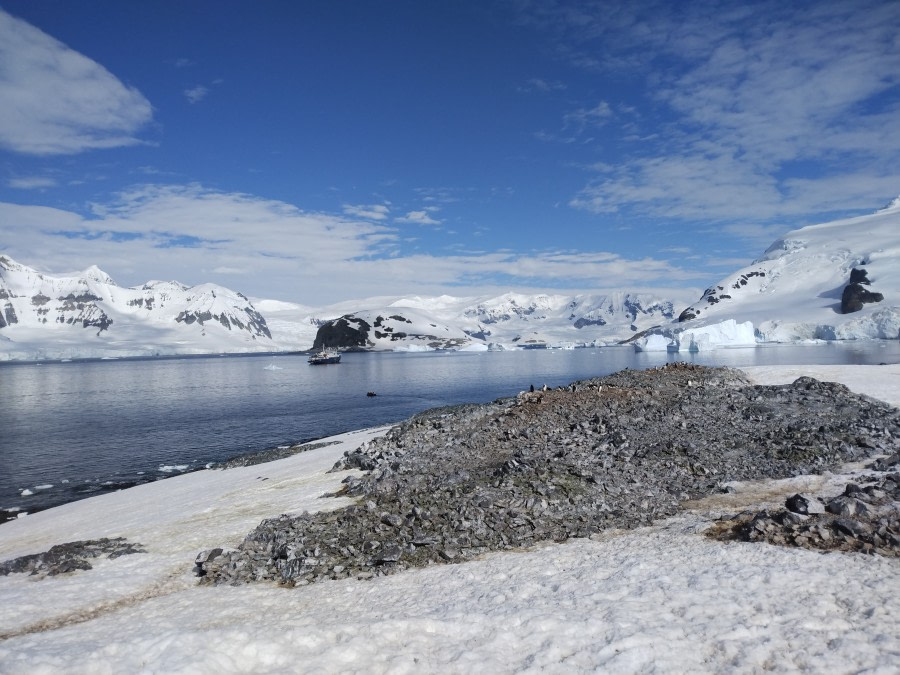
614	452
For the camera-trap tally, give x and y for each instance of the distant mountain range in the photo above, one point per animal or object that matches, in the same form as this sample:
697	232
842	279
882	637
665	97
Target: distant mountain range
509	320
838	280
87	315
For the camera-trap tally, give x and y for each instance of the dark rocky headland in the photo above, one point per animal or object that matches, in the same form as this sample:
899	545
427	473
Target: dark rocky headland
614	452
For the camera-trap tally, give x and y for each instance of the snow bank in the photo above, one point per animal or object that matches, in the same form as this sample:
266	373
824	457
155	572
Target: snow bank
662	598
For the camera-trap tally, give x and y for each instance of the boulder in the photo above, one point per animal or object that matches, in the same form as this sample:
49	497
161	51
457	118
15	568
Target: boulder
855	296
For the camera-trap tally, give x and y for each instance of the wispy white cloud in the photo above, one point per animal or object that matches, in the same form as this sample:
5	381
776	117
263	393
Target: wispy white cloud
57	101
367	211
196	94
31	182
419	218
269	248
582	118
764	110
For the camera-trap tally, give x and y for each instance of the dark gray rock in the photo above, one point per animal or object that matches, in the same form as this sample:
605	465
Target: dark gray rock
846	506
859	275
849	524
347	332
804	504
390	554
854	528
68	557
855	294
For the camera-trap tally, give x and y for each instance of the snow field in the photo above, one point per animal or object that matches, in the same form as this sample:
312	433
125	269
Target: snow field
661	599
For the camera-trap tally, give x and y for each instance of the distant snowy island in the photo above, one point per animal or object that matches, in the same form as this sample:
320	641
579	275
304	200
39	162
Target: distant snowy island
833	281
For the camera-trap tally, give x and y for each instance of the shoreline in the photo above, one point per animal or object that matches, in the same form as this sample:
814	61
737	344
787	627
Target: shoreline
627	600
857	377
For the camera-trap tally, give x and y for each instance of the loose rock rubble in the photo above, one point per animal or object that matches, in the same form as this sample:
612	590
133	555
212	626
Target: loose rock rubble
864	518
620	451
69	557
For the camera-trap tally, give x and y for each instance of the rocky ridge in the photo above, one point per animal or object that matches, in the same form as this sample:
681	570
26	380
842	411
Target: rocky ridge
613	452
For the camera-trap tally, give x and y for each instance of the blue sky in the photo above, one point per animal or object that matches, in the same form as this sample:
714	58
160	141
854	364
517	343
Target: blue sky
317	152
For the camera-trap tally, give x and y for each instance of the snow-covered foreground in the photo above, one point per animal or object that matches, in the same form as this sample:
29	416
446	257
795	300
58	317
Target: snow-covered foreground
658	599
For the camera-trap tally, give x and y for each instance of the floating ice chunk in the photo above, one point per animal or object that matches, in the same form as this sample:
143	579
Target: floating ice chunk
46	486
26	492
170	468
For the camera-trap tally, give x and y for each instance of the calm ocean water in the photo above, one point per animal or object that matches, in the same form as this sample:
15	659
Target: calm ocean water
73	430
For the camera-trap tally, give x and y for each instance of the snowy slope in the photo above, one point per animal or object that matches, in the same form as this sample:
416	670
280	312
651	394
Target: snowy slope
292	326
794	291
87	315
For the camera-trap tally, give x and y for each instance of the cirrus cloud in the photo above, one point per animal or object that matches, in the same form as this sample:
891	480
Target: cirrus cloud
753	111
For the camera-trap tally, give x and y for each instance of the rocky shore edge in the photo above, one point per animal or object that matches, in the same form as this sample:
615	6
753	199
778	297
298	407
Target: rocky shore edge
619	451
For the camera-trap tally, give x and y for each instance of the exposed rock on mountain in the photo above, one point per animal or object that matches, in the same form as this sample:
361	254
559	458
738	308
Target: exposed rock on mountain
388	329
855	295
347	332
87	314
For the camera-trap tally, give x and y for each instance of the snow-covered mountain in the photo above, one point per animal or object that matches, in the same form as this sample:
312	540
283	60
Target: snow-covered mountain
834	281
508	320
390	329
579	319
86	314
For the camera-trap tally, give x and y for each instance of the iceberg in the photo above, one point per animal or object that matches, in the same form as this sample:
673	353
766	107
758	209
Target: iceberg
652	343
